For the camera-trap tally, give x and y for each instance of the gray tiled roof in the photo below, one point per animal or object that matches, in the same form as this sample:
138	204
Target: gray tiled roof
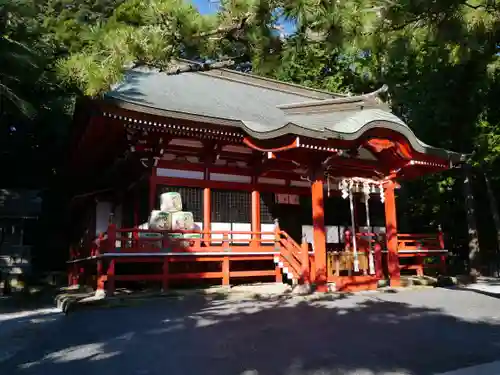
263	108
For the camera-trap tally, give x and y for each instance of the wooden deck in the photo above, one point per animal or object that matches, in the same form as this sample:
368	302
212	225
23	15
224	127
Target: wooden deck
138	255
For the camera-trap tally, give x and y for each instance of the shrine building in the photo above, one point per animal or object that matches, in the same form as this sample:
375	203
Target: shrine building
222	177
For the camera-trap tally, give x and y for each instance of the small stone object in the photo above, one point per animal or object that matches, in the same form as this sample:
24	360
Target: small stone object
100	293
332	287
302	289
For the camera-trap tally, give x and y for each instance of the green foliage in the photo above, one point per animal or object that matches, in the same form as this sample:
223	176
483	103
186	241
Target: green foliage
36	109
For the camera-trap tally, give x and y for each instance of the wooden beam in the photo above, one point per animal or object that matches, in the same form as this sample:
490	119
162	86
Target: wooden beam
319	235
256	226
207	217
391	234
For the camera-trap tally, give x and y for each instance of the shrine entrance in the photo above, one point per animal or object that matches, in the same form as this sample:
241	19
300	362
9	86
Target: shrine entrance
288	211
290	220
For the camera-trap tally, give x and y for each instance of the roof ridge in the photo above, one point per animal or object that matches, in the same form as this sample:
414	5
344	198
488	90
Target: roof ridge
256	84
276	82
338	104
272	84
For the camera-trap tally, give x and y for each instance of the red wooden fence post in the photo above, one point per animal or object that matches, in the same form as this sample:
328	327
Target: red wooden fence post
225	260
377	259
73	268
277	236
277	248
100	276
110	274
304	255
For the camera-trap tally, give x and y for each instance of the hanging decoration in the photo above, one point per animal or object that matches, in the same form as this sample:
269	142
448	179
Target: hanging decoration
371	261
353	224
347	187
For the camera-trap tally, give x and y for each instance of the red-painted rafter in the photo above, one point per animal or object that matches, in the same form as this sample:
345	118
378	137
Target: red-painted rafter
287	146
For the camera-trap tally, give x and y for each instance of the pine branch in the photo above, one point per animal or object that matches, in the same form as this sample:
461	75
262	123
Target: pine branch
234	30
198	67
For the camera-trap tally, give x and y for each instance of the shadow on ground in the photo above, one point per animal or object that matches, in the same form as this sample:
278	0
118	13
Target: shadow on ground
402	333
39	297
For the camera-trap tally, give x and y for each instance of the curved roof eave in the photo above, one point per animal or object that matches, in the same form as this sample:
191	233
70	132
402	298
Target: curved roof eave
416	144
392	123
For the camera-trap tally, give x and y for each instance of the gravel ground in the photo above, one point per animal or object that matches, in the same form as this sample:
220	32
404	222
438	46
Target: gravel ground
422	332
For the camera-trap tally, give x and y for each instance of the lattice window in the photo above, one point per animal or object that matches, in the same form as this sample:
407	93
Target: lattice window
192	199
266	206
229	206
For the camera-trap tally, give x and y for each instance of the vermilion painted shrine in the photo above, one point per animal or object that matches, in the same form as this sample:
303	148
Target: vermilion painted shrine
226	177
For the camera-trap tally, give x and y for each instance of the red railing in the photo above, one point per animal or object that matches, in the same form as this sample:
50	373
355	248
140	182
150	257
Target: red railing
132	245
416	251
141	245
293	259
426	251
183	241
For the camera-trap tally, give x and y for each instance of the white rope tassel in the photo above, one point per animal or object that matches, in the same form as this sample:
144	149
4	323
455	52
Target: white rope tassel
371	260
354	245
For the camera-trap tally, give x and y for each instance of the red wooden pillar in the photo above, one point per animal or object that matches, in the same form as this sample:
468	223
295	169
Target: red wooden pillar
225	260
207	204
319	235
391	230
110	284
110	272
73	269
255	218
377	259
304	257
100	275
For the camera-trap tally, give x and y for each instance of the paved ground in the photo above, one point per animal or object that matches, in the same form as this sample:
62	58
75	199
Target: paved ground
419	332
17	328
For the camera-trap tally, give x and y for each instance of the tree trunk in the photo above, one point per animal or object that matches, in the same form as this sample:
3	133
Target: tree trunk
496	219
474	253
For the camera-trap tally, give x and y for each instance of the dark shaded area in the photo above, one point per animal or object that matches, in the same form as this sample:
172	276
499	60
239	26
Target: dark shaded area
23	301
331	334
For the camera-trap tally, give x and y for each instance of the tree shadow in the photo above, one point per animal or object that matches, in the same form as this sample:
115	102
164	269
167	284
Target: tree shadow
14	322
27	300
403	333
